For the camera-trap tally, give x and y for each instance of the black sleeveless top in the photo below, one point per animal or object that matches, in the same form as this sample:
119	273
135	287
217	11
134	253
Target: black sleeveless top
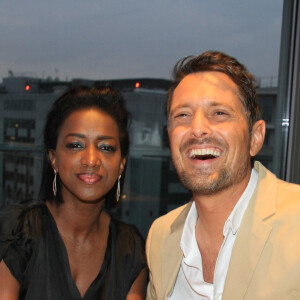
35	254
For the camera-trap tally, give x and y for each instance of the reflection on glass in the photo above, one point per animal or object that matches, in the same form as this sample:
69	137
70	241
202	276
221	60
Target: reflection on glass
141	59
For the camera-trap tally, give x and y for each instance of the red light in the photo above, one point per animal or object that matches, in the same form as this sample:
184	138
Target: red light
27	87
137	85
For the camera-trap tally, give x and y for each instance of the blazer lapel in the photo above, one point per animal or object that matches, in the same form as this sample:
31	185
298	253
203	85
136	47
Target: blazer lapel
252	236
172	253
245	255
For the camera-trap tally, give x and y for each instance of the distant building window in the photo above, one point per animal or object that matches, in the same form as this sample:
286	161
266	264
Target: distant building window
267	106
19	105
19	130
269	137
19	177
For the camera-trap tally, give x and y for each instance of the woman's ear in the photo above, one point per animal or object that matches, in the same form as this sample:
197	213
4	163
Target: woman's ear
257	137
122	165
52	157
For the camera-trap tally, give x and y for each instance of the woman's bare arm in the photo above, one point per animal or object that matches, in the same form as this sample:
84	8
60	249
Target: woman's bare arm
9	286
138	288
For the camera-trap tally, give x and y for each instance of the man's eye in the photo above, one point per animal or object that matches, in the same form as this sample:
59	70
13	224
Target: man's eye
74	146
181	115
220	113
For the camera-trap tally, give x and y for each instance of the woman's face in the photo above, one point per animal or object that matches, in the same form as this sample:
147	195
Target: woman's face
87	155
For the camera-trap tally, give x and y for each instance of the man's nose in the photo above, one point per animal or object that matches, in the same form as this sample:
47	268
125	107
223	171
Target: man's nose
200	125
90	157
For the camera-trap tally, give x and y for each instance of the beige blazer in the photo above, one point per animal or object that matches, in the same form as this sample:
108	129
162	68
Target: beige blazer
265	260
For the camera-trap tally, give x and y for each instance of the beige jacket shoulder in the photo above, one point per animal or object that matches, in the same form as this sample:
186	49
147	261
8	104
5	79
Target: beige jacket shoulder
265	261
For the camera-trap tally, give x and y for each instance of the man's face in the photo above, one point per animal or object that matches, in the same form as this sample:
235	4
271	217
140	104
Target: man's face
209	134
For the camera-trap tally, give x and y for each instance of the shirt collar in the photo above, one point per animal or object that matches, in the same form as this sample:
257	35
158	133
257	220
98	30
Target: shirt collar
232	223
188	243
234	220
188	234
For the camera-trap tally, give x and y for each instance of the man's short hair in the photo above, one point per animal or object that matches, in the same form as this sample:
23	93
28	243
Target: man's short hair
220	62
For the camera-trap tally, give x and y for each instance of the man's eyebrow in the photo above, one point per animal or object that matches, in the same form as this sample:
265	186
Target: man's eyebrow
184	105
207	102
215	103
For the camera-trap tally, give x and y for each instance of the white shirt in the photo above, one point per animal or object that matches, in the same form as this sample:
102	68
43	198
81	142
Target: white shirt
190	283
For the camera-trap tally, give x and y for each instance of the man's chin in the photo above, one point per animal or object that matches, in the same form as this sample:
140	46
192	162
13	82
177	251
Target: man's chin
205	186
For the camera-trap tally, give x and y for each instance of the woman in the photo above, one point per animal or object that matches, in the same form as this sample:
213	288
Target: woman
69	246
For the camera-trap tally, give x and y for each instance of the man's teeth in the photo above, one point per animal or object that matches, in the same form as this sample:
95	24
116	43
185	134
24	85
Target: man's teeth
204	152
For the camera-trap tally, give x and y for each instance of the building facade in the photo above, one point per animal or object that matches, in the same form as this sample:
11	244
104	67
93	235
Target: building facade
151	187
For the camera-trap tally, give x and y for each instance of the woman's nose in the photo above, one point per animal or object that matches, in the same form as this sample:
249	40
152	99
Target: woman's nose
90	157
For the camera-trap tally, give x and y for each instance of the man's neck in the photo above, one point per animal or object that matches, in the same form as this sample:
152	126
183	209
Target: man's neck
213	210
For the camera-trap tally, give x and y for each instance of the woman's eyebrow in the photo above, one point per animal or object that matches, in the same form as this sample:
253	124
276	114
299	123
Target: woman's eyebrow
80	135
76	135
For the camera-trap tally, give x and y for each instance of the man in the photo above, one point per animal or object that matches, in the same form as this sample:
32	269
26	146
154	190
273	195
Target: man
239	237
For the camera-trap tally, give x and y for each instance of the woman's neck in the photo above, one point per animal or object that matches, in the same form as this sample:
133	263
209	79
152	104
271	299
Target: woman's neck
79	220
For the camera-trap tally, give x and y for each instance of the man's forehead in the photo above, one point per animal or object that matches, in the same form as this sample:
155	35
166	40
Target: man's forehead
208	79
208	85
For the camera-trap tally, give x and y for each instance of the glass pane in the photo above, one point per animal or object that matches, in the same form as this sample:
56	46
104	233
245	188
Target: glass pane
50	46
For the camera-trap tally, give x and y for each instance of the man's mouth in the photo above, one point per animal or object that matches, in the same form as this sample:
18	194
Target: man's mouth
89	178
204	154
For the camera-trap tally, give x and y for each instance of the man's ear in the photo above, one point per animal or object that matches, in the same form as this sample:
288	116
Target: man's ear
257	137
52	157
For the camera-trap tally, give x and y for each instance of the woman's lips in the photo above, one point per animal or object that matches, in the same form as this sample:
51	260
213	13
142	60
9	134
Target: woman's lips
89	178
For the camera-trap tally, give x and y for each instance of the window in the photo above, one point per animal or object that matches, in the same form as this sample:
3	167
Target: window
19	130
134	48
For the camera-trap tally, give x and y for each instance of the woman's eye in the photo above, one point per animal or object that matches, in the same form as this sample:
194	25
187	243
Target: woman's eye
74	146
107	148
